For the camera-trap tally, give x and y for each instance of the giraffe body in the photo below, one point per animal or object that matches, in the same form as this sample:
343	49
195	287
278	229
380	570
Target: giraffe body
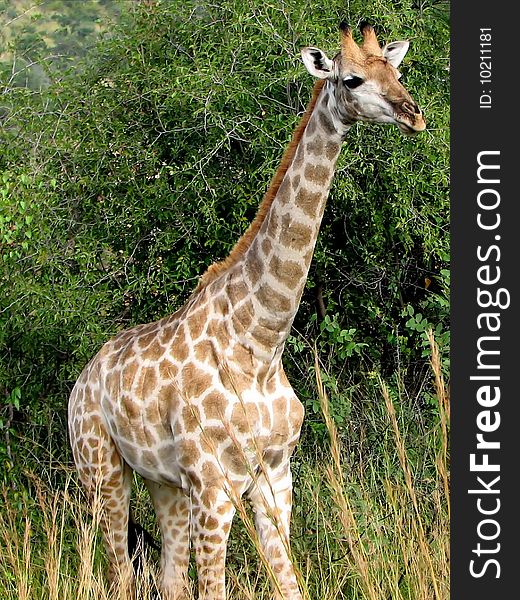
196	411
198	403
176	375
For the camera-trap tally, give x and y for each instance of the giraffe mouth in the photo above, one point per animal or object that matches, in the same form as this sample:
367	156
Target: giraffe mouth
406	129
410	125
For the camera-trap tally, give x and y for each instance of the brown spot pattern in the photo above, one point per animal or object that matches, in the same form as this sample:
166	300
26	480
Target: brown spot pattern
284	192
243	358
212	437
180	349
214	405
266	246
288	272
270	298
254	266
326	123
300	156
311	126
266	336
188	453
280	425
233	458
266	417
273	458
195	381
196	323
331	150
315	146
152	414
168	395
295	235
211	474
309	202
147	382
145	340
191	418
237	291
128	375
273	223
167	370
153	352
318	174
296	413
245	416
204	352
243	316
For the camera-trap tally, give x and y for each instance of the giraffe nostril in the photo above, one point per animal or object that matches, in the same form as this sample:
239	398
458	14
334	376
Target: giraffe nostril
411	108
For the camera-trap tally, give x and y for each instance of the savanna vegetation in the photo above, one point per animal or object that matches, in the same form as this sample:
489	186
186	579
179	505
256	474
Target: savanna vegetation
136	141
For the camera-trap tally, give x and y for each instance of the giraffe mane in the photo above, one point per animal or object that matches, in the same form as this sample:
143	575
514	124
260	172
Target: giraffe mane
216	269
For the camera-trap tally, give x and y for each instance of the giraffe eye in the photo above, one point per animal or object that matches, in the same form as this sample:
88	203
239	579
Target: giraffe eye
353	81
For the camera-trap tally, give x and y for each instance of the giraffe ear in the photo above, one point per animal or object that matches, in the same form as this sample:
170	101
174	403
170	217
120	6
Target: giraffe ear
395	52
317	62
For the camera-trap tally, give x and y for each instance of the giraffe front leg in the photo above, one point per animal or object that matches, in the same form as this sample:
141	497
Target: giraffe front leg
212	515
172	508
271	499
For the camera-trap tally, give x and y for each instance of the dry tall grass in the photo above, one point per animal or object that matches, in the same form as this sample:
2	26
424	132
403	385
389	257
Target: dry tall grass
361	531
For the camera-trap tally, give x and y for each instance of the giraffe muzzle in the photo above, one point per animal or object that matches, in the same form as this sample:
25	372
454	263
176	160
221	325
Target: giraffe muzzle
409	118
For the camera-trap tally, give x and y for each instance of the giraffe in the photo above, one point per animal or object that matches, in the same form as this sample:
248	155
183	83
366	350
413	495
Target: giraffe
198	403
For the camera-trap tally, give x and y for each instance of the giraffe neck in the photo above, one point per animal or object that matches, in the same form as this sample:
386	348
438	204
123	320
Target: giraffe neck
275	266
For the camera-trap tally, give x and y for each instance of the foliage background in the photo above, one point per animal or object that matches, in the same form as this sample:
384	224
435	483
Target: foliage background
137	139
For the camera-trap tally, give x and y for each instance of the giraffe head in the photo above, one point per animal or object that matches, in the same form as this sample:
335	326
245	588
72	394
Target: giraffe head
365	81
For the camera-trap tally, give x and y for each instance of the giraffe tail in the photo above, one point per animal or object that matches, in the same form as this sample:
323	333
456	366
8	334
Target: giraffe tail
138	540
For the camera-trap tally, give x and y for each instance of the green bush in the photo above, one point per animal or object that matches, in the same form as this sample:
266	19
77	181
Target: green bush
130	174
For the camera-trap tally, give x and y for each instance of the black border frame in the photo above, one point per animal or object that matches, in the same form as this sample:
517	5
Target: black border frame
479	128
